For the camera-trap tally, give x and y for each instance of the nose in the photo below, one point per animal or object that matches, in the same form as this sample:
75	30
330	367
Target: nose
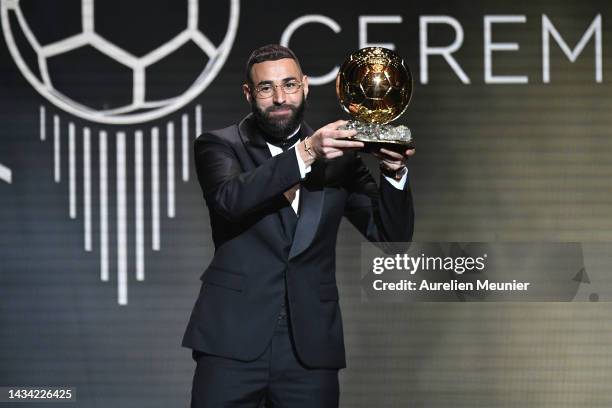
279	95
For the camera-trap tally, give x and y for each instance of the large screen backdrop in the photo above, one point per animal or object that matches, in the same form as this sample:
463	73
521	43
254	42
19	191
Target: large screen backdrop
104	232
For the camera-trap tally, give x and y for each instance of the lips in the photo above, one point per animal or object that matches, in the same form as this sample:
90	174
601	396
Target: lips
282	111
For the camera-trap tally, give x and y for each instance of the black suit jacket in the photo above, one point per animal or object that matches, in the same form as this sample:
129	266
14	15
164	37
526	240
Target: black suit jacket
255	261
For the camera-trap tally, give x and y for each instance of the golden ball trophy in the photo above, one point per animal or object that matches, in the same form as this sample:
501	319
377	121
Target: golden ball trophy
374	86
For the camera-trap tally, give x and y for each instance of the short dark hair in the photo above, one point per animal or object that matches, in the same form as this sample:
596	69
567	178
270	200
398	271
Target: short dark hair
270	52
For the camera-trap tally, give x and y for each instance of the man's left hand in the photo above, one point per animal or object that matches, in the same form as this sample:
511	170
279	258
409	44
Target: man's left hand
392	164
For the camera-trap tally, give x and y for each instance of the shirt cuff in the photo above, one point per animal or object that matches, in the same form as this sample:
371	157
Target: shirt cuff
303	168
399	184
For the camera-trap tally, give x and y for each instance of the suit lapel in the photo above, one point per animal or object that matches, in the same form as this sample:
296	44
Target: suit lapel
253	141
312	197
311	205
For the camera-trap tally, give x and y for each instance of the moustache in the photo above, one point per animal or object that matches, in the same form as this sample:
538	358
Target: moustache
280	107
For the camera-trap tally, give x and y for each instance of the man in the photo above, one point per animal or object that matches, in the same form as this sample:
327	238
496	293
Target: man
266	324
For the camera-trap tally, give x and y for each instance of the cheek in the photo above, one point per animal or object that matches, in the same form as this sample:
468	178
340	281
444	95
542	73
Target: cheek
261	104
296	99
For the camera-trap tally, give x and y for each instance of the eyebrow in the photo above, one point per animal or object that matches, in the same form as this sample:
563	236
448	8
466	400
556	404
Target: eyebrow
284	80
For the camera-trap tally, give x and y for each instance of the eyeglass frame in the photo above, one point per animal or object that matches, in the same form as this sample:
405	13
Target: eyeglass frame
256	91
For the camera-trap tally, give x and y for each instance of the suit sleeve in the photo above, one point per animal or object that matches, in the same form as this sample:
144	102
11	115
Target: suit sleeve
235	193
381	213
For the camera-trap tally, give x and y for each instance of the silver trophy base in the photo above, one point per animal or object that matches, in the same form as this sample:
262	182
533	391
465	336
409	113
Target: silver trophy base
375	136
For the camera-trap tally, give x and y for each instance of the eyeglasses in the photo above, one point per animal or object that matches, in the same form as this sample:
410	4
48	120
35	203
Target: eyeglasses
267	90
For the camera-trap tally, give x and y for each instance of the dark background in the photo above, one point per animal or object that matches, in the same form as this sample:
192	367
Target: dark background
494	163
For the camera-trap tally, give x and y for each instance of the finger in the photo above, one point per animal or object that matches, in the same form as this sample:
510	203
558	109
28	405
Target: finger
392	163
333	142
329	150
409	152
340	134
332	150
391	154
345	144
395	167
335	154
337	124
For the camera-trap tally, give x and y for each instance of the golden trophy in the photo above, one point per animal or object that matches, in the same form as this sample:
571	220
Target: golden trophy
375	86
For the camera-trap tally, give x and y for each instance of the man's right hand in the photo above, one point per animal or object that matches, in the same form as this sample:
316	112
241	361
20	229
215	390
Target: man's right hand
326	143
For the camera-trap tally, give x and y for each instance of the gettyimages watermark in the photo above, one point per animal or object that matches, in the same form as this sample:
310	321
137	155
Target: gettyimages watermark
449	272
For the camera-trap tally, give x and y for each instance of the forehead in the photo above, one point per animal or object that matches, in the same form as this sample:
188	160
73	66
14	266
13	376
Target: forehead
275	71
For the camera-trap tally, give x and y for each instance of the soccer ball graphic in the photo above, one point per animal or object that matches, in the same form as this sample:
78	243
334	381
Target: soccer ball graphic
106	62
374	85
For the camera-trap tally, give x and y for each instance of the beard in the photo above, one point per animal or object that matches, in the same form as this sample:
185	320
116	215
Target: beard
278	127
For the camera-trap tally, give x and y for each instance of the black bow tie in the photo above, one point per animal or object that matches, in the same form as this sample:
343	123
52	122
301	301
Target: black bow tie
285	143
